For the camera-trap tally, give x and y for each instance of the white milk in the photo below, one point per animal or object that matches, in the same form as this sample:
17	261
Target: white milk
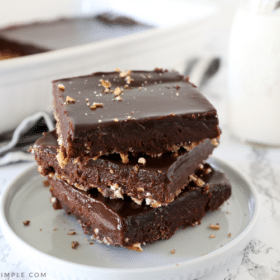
254	77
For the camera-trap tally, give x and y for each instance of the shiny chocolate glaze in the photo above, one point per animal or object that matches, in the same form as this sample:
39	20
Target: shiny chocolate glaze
158	111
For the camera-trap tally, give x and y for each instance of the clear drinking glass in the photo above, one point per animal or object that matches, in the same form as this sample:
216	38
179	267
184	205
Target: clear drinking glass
254	73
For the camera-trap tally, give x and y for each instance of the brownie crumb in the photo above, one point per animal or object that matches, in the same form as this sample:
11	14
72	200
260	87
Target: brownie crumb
215	227
26	223
177	87
55	229
61	87
46	183
96	105
91	243
40	229
71	229
142	160
229	235
158	70
71	233
206	189
173	251
69	100
212	236
74	244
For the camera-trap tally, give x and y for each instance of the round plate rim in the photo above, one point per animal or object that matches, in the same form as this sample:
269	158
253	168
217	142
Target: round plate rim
7	230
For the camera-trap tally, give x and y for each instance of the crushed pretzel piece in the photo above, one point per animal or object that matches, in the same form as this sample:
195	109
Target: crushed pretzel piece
69	100
214	142
96	105
118	91
142	160
124	158
105	84
61	87
215	227
128	79
125	73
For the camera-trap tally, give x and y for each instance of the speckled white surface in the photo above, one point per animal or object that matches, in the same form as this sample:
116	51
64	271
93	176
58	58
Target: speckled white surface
260	258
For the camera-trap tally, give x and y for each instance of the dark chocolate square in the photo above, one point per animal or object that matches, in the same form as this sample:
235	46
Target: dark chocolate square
130	112
124	223
158	181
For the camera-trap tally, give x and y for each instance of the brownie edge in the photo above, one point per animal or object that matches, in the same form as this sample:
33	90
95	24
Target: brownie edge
157	182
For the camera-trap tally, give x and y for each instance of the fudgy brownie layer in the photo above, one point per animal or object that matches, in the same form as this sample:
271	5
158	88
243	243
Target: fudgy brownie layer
150	112
158	181
124	223
11	49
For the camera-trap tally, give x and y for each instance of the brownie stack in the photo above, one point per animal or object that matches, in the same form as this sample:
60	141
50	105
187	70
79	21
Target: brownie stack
128	155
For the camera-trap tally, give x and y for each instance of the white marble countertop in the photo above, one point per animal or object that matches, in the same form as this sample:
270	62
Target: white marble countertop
260	259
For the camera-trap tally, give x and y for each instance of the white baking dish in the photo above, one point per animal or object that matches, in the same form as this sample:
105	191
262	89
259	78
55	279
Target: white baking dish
25	83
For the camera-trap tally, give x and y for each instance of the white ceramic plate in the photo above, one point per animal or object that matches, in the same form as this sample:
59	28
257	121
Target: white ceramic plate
50	250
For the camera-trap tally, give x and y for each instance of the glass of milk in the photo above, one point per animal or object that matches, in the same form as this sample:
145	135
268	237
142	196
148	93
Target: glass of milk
254	73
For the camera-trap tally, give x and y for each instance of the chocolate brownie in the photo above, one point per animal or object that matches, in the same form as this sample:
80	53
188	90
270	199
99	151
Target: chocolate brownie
10	49
130	112
124	223
158	180
38	37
